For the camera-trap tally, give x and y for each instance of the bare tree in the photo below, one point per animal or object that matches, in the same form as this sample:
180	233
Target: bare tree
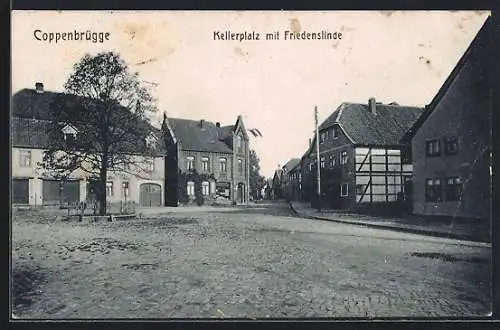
100	123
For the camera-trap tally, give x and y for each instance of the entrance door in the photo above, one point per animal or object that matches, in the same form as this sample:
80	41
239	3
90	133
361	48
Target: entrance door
51	191
241	193
20	191
63	193
150	194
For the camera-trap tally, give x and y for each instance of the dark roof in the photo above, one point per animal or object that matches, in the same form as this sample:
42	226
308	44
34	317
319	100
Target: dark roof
32	119
386	127
225	131
292	163
479	42
192	136
28	103
29	133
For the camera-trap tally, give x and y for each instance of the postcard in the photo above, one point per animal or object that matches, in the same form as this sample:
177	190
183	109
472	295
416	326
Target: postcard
250	165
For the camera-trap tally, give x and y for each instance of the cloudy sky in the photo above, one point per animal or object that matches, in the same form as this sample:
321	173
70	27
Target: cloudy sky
274	84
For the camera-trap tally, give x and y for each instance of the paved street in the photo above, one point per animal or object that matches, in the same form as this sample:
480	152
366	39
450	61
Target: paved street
253	262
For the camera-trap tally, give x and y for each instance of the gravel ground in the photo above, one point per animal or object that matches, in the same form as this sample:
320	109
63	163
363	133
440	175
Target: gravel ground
249	263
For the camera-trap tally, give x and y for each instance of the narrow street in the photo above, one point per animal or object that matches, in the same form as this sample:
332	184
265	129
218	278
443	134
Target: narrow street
253	262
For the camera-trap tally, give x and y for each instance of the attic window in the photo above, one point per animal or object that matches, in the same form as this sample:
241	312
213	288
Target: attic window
151	141
335	132
69	133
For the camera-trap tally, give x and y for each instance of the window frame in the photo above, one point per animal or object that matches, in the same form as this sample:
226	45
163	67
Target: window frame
190	191
23	155
125	189
344	157
205	188
346	185
431	152
240	166
190	160
447	143
336	132
109	189
453	192
223	164
205	160
437	193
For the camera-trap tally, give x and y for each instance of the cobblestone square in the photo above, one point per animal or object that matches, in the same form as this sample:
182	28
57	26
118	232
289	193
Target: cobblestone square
253	262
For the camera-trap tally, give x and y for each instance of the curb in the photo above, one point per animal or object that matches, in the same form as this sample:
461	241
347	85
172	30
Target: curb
393	228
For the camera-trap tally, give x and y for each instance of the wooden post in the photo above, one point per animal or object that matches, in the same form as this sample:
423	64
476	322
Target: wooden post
318	165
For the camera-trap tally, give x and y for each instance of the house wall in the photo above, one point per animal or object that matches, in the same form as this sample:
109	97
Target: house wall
340	174
35	173
214	165
243	177
380	174
463	112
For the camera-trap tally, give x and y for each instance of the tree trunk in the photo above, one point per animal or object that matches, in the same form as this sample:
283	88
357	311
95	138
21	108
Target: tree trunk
102	187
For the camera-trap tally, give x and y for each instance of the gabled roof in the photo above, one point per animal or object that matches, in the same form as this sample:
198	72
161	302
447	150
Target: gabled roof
481	40
32	119
291	164
192	136
29	133
386	127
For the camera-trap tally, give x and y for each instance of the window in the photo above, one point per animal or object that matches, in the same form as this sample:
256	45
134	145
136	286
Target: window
453	189
433	148
433	190
25	158
205	188
333	160
223	164
109	188
311	166
212	187
343	157
344	189
240	166
205	164
451	145
125	192
190	188
322	138
239	144
69	139
336	132
322	162
151	165
150	141
190	163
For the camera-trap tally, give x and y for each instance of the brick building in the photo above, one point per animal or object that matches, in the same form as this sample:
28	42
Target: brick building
206	156
362	159
451	142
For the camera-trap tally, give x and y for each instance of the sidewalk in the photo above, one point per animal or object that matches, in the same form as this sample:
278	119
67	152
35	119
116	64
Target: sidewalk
461	230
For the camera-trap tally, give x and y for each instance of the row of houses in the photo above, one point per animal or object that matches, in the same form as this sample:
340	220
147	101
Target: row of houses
436	159
188	154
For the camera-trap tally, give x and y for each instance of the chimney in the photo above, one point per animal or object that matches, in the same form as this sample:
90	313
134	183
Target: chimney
372	105
217	124
39	87
202	123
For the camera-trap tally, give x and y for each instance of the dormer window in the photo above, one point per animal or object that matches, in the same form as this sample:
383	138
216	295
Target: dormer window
69	133
151	141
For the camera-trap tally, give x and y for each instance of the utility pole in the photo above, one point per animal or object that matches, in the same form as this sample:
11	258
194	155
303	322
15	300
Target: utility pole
318	164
